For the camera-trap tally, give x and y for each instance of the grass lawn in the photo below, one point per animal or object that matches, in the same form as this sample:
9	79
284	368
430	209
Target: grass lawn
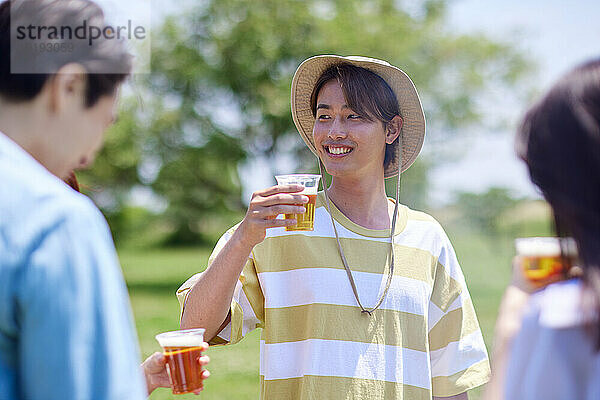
154	275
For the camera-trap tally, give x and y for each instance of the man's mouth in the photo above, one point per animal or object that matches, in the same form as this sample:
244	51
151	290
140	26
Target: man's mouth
337	150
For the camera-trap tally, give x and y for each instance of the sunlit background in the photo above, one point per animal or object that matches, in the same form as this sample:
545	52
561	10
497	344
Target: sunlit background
211	123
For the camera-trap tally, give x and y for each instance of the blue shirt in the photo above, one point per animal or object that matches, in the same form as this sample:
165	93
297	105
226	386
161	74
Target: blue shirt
66	329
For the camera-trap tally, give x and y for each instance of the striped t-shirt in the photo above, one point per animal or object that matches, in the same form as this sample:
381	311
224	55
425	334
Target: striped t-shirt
423	341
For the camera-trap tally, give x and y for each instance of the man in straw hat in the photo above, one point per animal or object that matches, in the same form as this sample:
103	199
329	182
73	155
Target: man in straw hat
372	304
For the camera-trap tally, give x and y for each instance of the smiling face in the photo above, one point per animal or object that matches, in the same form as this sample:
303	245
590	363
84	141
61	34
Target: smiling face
349	144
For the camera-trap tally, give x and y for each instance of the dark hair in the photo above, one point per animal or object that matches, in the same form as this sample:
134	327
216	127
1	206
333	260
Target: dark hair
559	140
366	93
71	180
104	55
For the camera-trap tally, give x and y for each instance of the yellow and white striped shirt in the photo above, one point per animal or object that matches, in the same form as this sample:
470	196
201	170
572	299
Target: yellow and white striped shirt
423	341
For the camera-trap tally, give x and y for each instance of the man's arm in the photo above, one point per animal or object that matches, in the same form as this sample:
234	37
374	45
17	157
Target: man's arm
77	334
208	302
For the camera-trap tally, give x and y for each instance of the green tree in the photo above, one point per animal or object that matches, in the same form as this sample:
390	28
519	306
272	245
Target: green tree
220	85
484	210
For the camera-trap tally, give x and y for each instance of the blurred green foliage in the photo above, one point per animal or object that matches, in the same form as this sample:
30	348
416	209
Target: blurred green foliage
219	90
498	214
483	210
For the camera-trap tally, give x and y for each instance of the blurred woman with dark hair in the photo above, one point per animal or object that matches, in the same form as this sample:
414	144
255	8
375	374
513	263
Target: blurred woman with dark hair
547	343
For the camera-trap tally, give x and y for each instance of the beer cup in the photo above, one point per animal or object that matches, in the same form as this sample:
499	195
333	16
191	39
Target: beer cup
306	221
182	349
546	259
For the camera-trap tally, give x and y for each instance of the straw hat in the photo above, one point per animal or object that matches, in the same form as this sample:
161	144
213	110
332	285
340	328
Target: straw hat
411	111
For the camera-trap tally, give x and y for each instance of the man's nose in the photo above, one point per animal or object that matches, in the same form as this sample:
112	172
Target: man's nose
338	129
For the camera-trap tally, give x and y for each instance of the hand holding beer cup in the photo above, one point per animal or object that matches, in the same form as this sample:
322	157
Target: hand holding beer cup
155	370
266	205
182	352
310	183
541	261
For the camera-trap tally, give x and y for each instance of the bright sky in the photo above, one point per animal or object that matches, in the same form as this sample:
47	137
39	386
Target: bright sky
558	35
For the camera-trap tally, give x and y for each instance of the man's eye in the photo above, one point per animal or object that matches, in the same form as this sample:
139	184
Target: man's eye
354	116
323	116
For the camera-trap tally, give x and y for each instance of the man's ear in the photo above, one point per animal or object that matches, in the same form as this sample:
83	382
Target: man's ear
67	88
393	129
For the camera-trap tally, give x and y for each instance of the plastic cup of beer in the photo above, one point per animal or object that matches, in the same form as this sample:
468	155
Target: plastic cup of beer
546	259
182	350
306	221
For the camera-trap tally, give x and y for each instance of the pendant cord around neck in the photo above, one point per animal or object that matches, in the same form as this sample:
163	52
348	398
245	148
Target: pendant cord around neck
392	233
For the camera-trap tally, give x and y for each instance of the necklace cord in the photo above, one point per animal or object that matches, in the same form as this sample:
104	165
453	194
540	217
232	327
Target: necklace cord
392	233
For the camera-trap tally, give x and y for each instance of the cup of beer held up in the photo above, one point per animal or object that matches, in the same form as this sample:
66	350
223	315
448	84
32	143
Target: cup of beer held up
182	349
306	221
546	259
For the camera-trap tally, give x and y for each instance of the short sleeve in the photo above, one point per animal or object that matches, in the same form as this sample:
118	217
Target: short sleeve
77	336
458	355
247	304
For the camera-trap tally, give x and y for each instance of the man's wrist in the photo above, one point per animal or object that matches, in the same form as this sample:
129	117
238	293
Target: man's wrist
240	240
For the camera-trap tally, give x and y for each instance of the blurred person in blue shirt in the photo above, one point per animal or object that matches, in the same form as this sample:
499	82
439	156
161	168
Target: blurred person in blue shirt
66	328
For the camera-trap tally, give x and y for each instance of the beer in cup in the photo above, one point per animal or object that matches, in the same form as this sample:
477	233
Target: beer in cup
306	221
546	259
182	349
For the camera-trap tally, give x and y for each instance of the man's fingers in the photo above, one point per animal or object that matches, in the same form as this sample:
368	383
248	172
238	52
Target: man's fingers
204	360
269	213
155	363
284	198
205	375
279	189
282	209
278	223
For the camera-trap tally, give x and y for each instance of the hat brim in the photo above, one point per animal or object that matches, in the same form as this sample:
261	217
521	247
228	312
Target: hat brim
411	111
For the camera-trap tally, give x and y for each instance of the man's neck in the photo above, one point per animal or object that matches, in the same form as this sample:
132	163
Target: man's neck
19	123
363	201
